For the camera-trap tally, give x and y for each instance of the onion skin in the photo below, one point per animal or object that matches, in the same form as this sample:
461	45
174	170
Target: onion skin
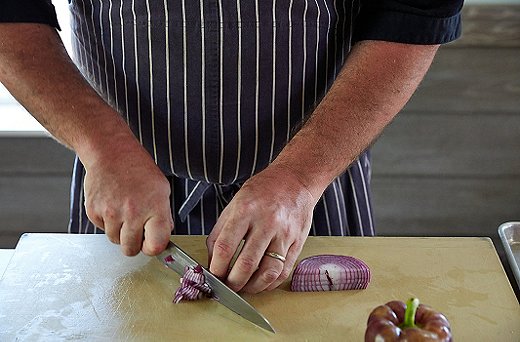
412	322
330	273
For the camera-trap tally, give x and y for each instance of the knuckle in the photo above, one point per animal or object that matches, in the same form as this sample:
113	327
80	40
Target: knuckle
131	209
285	274
113	238
210	241
223	249
91	213
89	204
245	207
109	212
130	250
298	244
286	232
269	275
278	224
165	222
96	220
152	249
164	185
247	264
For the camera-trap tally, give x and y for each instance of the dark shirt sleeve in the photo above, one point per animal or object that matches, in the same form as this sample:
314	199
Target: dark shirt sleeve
28	11
409	21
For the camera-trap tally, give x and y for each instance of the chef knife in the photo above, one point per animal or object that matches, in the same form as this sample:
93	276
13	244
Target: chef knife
222	293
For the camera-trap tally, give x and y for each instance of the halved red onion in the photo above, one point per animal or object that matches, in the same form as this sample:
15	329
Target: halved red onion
330	273
193	285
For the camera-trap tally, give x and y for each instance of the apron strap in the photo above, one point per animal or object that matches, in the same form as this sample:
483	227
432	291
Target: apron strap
193	199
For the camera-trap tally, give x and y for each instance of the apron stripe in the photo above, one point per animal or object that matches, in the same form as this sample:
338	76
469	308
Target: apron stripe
185	90
335	40
123	61
327	71
110	28
343	30
203	89
304	64
257	86
326	209
80	55
104	52
83	42
150	70
273	89
356	204
186	192
365	192
316	54
168	90
221	91
85	45
239	93
344	200
81	209
203	228
339	211
289	88
136	75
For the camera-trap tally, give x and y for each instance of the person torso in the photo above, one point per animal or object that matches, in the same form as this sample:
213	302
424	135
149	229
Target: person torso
213	89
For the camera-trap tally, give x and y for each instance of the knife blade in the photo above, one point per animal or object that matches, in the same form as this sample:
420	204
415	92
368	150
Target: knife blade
222	293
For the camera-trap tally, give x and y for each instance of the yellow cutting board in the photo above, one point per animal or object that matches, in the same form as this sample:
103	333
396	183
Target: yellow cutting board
77	287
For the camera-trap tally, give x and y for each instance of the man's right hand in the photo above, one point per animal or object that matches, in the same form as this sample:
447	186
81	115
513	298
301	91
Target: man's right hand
126	193
128	197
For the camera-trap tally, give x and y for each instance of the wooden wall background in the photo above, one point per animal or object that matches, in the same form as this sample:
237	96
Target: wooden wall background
449	165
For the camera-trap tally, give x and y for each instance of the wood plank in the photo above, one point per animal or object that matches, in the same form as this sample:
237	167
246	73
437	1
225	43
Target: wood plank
34	155
9	239
490	25
414	206
449	144
34	204
471	79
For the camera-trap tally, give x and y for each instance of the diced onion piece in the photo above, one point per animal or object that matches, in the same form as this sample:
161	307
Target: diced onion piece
330	273
193	285
169	259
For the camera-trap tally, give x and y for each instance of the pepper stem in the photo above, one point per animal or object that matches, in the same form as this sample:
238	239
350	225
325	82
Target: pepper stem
409	314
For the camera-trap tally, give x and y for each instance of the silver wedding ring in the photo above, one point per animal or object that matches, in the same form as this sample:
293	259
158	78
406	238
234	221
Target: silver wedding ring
275	256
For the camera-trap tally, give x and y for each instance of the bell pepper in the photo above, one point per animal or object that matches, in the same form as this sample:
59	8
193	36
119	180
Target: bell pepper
397	321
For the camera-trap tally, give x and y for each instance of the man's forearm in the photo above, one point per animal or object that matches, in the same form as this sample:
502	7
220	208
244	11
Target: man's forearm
37	70
126	194
373	86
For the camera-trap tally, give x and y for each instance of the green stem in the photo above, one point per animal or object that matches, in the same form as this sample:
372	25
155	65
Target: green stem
409	314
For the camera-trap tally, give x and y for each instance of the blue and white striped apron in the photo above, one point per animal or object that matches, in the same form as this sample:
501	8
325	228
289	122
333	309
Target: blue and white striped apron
214	89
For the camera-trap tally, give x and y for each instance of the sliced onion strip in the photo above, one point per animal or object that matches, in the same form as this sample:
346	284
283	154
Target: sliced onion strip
193	285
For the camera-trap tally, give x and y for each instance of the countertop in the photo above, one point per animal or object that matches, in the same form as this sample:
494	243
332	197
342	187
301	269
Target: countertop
62	287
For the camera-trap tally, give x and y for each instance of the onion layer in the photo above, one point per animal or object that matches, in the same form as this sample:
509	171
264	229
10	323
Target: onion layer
193	285
330	273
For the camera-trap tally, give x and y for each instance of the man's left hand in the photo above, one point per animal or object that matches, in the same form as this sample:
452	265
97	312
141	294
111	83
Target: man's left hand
272	212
